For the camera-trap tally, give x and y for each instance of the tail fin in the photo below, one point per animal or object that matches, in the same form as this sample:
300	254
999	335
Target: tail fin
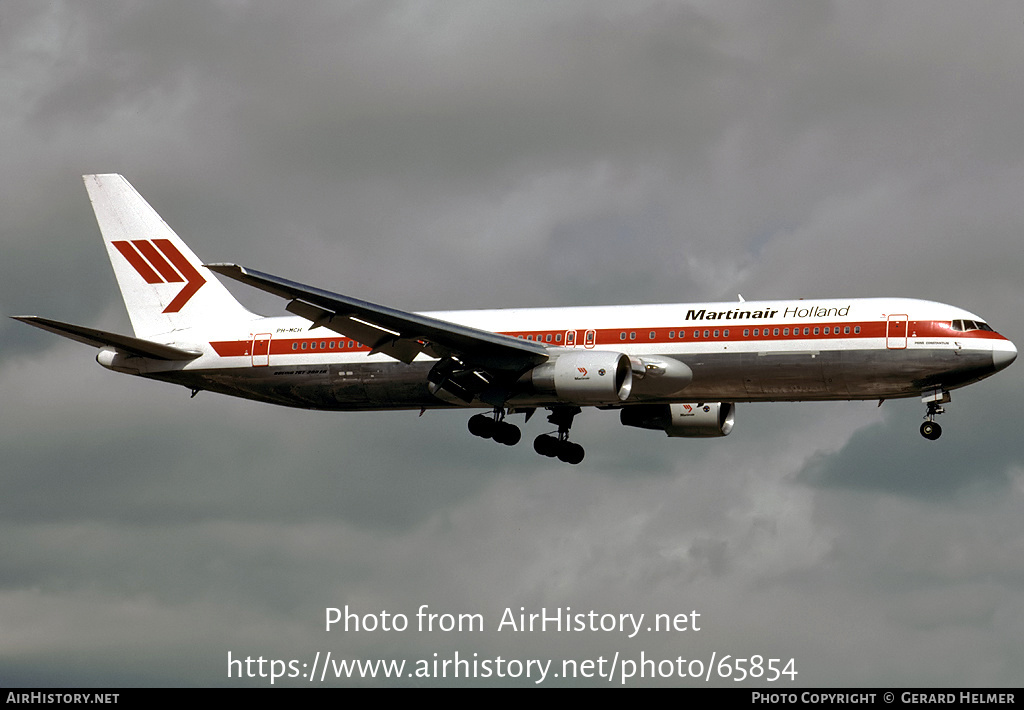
164	284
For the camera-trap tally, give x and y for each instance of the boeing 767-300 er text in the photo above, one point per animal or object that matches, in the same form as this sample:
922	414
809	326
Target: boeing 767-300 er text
677	368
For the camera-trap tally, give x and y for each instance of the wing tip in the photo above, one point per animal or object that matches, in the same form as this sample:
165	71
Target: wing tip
226	269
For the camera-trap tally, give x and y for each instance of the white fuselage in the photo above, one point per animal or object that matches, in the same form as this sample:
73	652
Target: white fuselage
745	351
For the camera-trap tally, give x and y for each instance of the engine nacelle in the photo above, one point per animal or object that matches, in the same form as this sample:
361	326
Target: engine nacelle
659	375
685	420
585	377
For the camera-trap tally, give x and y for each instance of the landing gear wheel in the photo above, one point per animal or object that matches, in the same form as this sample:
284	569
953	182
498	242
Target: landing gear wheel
931	431
934	398
558	445
494	426
546	445
507	434
570	452
482	425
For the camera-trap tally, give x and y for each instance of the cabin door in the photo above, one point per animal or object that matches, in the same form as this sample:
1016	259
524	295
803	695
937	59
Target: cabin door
896	332
260	349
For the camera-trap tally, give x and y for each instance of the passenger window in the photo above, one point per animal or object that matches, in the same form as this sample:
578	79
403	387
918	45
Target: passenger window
705	333
295	346
671	334
846	330
632	335
652	335
622	335
785	331
547	338
826	331
776	332
725	332
746	332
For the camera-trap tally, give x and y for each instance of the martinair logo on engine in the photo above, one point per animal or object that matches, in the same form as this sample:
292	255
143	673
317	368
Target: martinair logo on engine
158	261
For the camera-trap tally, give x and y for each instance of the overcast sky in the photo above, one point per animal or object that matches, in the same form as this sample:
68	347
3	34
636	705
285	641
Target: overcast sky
455	155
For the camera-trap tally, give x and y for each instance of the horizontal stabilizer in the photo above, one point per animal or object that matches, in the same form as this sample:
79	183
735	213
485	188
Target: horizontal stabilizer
101	338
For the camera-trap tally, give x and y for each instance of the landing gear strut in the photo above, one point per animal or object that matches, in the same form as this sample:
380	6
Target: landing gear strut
495	427
934	399
558	446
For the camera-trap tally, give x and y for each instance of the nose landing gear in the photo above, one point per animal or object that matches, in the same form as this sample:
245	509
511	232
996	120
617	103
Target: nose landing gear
931	430
934	399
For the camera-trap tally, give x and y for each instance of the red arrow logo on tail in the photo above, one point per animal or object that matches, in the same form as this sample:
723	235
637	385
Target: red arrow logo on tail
158	261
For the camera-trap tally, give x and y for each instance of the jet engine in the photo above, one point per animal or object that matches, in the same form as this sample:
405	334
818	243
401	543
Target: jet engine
585	377
685	420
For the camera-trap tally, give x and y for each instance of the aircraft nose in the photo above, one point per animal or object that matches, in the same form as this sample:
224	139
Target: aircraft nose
1003	355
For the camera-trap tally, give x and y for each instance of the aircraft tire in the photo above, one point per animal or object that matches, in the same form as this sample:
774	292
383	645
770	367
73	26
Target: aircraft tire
931	431
507	434
481	425
571	453
546	445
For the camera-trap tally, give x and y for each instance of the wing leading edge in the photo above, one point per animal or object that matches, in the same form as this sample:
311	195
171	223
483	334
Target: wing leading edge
102	338
396	333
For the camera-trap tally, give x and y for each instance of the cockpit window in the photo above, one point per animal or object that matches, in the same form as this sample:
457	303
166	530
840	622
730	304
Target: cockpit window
963	325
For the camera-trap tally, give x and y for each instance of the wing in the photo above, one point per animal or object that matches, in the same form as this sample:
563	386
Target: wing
102	338
472	361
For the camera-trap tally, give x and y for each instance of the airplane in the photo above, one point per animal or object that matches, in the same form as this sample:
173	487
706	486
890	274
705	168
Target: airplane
676	368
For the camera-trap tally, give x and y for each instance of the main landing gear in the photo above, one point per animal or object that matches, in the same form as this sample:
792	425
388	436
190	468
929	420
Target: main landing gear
495	427
558	446
934	399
